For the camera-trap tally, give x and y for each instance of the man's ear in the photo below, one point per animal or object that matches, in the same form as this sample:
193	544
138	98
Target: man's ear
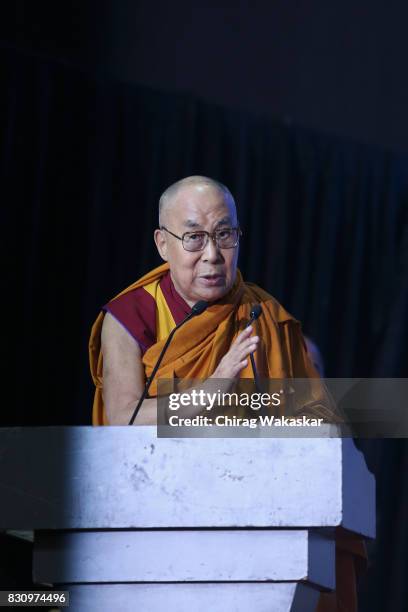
161	243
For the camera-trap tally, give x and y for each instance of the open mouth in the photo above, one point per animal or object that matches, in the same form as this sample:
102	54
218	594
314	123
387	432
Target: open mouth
213	279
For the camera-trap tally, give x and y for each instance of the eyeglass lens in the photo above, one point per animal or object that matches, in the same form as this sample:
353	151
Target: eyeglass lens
225	239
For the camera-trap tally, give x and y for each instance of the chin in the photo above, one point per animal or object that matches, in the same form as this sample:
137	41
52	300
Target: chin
212	295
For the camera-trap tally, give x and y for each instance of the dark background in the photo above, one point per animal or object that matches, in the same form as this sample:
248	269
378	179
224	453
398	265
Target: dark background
298	107
336	66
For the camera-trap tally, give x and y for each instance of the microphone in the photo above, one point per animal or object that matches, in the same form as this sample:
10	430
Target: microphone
255	313
197	309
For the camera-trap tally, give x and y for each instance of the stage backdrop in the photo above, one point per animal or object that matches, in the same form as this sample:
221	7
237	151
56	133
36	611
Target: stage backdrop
83	163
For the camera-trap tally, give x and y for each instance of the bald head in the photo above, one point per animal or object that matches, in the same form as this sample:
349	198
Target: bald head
171	195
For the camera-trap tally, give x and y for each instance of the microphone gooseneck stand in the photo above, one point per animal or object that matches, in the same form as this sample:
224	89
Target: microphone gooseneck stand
197	309
254	314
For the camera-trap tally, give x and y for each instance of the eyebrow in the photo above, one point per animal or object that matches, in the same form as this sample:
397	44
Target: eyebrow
193	224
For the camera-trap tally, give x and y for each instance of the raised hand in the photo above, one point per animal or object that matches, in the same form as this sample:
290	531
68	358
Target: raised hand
236	359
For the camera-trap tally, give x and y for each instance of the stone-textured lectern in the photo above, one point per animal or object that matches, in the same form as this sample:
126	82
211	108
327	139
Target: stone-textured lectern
128	522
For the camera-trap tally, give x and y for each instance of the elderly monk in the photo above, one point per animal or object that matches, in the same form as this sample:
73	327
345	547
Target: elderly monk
198	239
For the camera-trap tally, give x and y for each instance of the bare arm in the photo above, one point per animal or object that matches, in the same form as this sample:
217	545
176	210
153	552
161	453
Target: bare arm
123	376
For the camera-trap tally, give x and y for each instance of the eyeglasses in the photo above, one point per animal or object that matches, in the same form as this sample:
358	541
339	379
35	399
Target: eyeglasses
225	238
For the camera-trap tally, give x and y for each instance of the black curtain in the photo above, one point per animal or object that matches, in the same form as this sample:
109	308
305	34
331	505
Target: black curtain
83	162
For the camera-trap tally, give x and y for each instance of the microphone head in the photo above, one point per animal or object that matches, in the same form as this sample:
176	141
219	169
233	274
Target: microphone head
199	307
255	312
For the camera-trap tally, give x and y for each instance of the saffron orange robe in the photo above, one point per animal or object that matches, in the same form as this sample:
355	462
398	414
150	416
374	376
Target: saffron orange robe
195	353
198	348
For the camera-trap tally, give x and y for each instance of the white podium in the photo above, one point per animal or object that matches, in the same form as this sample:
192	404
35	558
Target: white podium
126	521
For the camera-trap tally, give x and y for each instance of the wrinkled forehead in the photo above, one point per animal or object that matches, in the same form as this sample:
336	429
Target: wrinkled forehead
199	205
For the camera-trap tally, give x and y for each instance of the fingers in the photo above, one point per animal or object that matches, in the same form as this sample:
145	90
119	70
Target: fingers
245	343
245	333
245	337
237	357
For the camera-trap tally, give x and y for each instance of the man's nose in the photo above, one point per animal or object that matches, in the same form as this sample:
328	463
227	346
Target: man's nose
211	252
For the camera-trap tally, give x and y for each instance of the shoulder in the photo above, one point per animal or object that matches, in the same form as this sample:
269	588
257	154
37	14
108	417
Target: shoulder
135	311
112	329
115	339
134	302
